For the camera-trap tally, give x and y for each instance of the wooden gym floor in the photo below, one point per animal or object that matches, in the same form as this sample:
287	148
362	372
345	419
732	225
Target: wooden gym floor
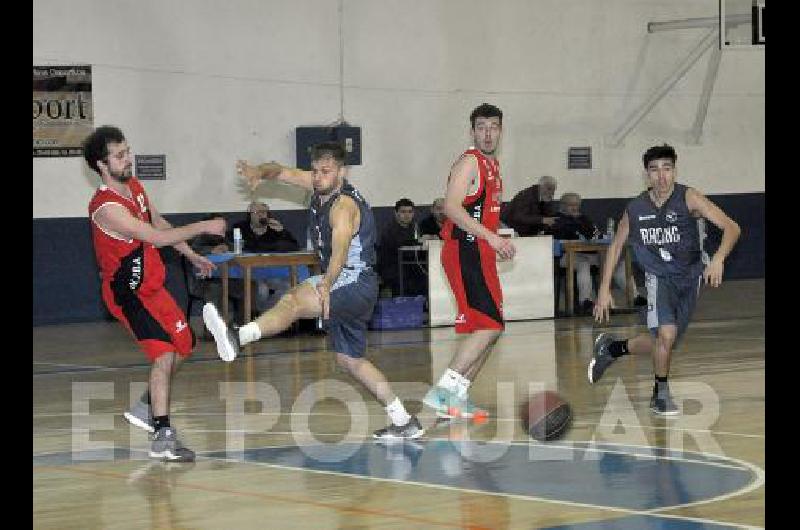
282	436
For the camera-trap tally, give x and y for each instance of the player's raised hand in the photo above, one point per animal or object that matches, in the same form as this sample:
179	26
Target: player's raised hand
253	175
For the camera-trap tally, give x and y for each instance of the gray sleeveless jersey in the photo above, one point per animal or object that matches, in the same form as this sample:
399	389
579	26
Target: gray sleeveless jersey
361	253
665	241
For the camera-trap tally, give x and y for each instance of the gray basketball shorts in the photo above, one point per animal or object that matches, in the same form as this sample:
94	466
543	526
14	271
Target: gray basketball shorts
353	298
671	300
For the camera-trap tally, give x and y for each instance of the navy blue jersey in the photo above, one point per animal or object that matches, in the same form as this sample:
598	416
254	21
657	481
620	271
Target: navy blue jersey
665	240
361	253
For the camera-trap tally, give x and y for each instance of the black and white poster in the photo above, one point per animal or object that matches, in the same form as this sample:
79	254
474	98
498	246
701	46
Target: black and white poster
62	109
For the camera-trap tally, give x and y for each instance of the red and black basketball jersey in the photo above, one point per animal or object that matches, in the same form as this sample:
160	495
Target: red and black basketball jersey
126	263
484	204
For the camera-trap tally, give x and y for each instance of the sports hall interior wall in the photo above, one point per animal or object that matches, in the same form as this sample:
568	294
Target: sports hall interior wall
207	83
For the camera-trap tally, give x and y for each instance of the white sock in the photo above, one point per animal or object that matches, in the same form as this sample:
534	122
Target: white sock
249	333
449	380
397	412
463	387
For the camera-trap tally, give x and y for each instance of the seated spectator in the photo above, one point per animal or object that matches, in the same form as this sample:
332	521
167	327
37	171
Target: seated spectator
260	233
532	210
398	233
263	233
571	224
430	227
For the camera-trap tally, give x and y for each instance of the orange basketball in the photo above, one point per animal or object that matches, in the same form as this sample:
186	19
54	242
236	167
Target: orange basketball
546	416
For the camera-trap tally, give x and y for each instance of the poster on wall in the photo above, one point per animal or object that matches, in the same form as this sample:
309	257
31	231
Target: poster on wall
62	109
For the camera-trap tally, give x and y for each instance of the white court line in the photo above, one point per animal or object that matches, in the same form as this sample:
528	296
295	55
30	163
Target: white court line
96	367
658	428
336	414
760	479
654	512
726	337
505	495
361	439
85	370
465	490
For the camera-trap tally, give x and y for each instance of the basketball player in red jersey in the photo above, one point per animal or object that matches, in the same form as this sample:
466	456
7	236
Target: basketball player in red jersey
126	231
469	255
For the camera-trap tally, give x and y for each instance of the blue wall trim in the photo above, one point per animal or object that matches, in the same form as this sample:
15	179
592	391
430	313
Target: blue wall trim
66	286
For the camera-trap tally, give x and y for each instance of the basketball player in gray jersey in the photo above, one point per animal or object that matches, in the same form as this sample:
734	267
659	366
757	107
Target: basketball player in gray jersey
660	225
343	234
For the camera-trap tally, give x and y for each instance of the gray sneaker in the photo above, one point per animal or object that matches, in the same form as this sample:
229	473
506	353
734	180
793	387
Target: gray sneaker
226	337
166	446
140	415
409	431
661	403
601	359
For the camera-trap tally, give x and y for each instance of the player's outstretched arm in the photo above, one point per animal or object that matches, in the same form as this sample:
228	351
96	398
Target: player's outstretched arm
700	205
115	219
254	174
603	304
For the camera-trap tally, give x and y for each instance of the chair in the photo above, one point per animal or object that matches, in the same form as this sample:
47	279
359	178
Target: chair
560	282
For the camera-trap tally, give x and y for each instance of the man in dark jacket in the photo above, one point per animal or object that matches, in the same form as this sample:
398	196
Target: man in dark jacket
430	227
400	232
532	210
571	224
263	233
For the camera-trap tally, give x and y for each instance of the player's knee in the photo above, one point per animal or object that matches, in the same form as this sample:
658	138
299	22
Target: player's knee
649	340
666	336
289	304
164	361
348	363
494	335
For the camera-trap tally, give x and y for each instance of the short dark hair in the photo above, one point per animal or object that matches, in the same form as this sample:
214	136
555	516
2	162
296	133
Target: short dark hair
332	149
485	110
402	202
659	151
95	146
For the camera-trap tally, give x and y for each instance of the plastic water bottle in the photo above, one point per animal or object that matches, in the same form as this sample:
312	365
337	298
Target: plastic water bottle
237	241
416	232
610	228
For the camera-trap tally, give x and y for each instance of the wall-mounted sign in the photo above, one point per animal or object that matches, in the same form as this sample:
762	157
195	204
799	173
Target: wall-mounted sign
151	167
62	109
